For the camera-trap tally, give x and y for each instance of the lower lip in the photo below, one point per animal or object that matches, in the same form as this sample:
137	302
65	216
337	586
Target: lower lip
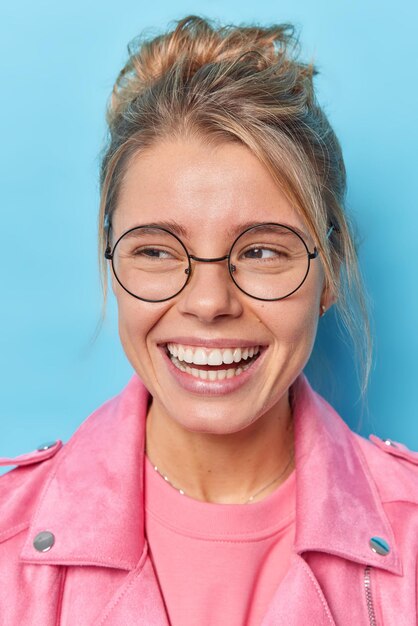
212	387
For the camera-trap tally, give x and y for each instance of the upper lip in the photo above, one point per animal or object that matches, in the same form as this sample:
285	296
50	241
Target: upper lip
219	342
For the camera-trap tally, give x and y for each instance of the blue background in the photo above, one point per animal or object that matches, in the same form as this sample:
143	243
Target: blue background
58	62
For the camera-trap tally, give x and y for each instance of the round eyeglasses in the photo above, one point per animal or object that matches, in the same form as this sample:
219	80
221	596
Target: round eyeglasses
267	261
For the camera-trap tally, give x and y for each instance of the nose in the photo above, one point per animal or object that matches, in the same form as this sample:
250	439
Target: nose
210	293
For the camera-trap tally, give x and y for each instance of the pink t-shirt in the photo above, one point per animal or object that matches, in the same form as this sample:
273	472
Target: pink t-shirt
218	564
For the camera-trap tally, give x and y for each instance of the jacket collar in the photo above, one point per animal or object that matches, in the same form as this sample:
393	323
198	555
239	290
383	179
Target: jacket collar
338	508
93	500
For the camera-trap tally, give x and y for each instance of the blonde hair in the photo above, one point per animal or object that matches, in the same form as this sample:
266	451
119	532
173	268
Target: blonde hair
243	84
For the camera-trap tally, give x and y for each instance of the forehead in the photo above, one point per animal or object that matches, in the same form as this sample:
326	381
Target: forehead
203	189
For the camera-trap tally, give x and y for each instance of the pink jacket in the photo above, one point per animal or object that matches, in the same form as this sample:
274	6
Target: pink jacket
87	497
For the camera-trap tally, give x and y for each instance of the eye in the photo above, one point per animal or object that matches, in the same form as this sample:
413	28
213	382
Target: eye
259	252
153	253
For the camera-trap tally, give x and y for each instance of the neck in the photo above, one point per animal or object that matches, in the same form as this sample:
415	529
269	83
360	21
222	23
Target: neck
228	468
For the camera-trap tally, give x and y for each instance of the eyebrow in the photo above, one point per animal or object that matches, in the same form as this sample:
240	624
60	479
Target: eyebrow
236	231
182	232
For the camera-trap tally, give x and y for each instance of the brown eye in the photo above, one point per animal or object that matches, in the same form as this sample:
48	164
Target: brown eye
263	253
154	253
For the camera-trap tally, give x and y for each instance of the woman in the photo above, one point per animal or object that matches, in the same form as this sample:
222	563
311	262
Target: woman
218	487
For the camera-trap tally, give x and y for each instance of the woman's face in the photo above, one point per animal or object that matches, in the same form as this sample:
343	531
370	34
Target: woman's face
210	193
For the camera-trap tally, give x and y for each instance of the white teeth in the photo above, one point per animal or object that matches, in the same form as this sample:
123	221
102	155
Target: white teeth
199	357
173	349
237	355
216	356
227	356
211	375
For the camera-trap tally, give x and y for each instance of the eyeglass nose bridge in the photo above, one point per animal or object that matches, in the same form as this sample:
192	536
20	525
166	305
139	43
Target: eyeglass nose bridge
217	259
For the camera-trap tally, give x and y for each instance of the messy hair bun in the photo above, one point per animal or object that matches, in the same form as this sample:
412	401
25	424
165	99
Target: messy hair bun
194	45
243	84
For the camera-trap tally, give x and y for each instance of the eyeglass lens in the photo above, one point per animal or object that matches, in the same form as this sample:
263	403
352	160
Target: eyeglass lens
268	262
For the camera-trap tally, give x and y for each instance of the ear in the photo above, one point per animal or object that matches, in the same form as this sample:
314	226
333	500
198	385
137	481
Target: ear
329	297
326	304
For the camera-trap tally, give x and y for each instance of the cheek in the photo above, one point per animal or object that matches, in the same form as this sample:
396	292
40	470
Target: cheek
296	326
136	319
294	323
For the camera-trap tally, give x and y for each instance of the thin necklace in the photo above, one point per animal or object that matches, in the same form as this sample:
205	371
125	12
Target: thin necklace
182	492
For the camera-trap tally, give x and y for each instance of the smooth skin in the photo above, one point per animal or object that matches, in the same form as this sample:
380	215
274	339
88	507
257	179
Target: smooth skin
217	448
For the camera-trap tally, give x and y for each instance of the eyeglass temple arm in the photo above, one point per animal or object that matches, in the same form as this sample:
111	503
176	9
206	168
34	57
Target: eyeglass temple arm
108	252
330	229
314	254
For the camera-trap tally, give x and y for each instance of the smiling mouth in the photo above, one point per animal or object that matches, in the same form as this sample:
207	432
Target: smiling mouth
212	364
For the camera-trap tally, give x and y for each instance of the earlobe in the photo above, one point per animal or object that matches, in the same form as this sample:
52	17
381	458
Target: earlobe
328	298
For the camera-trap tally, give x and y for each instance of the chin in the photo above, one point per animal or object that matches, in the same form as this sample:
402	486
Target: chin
218	416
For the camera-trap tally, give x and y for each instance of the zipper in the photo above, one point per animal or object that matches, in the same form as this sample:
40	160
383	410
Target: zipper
369	596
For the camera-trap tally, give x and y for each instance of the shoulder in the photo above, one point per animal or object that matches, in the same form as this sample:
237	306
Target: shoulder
21	486
393	466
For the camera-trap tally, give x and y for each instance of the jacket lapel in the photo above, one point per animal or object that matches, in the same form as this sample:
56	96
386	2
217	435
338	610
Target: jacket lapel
137	601
92	502
299	599
338	507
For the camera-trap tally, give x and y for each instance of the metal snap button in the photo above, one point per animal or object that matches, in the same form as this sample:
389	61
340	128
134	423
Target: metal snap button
379	545
44	541
46	446
390	443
